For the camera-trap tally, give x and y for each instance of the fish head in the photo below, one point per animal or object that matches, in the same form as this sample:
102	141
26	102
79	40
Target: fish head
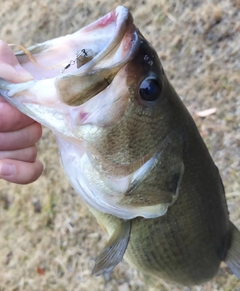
110	106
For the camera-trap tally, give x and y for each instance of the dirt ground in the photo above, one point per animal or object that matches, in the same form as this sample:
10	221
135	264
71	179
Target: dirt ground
48	239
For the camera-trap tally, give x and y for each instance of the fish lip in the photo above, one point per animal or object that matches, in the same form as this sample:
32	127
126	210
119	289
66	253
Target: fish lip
123	20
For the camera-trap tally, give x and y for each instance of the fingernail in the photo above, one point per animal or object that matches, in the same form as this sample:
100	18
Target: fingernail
6	169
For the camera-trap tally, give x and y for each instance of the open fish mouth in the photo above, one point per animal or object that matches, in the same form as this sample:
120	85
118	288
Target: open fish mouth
72	69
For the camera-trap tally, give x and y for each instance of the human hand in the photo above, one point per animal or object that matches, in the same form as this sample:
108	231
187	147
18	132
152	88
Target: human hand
18	133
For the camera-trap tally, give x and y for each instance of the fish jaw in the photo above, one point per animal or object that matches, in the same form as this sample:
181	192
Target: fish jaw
56	94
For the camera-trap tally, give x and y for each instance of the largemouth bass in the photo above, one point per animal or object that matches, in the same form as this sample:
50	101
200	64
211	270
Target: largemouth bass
131	150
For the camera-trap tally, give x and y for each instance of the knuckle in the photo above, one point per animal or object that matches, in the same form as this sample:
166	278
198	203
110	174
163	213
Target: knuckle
37	129
4	111
36	172
32	153
32	134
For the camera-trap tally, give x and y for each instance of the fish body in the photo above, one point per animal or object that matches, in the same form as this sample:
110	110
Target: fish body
187	244
131	150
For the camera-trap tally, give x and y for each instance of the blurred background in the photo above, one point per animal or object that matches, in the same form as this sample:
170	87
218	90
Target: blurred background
48	239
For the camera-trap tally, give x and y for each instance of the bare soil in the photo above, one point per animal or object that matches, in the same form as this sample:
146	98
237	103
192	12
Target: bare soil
48	238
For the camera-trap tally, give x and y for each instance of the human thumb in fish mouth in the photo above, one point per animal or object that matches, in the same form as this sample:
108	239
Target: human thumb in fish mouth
18	133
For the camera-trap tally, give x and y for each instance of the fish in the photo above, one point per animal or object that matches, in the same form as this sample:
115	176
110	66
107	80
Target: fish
131	150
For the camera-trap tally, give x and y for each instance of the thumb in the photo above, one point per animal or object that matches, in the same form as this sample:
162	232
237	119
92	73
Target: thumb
10	69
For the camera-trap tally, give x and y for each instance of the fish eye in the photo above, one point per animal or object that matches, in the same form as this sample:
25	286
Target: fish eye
150	89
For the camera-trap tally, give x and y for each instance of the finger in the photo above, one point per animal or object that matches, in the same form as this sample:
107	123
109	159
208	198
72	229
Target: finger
20	139
10	69
20	172
27	155
2	100
11	119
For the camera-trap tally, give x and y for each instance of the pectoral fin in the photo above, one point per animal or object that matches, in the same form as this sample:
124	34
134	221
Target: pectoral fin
114	251
233	255
157	185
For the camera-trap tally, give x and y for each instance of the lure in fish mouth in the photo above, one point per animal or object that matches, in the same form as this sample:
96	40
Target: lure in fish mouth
99	90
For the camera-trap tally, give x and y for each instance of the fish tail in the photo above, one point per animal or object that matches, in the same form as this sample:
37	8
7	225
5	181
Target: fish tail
233	255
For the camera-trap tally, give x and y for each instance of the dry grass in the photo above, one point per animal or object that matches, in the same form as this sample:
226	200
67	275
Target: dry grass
48	239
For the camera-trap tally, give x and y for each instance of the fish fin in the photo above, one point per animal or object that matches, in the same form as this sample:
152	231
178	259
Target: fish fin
114	251
233	255
151	195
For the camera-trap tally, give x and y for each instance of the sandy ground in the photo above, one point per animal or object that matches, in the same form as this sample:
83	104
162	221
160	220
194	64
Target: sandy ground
48	239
